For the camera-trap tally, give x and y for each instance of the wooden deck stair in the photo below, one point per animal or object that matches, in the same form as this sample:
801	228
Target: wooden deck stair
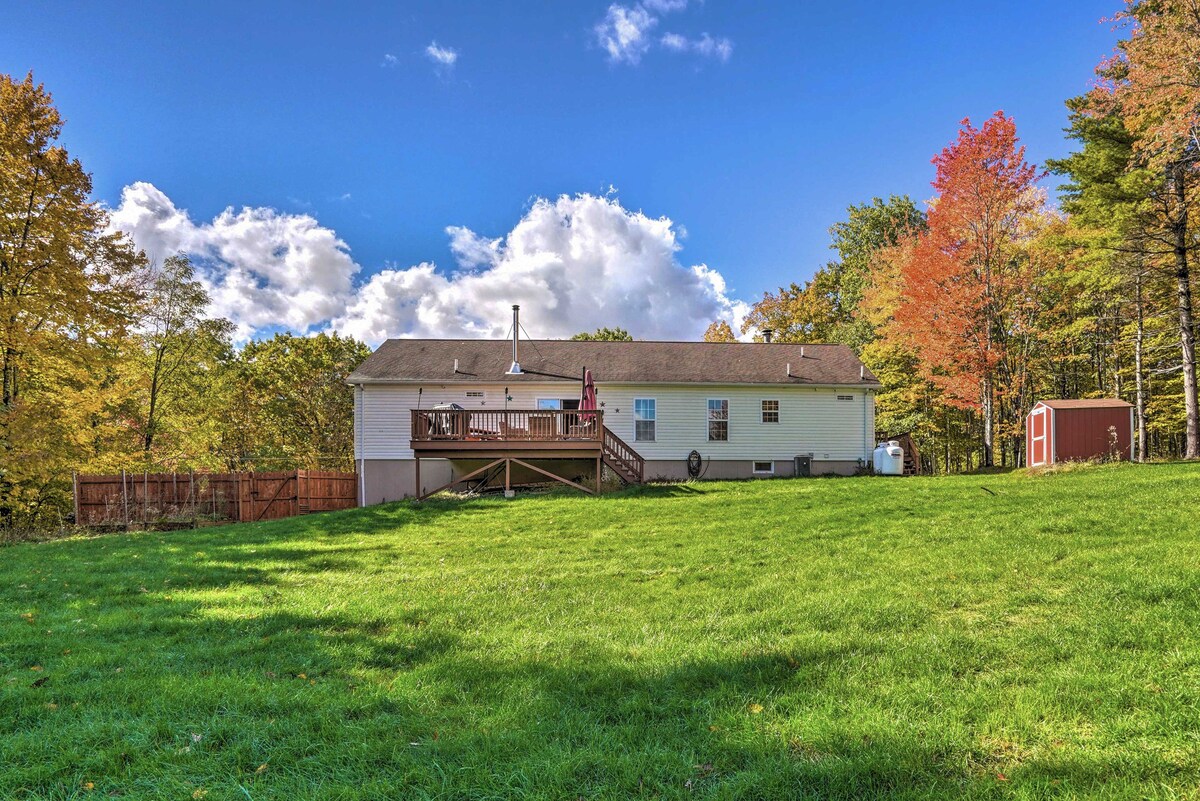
623	460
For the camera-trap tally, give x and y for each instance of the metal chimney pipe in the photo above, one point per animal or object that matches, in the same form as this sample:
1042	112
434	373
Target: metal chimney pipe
515	369
767	334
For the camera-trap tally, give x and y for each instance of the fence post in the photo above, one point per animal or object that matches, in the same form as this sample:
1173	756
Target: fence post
125	498
75	491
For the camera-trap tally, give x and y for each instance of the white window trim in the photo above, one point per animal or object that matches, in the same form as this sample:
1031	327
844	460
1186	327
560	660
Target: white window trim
653	419
707	420
762	411
754	467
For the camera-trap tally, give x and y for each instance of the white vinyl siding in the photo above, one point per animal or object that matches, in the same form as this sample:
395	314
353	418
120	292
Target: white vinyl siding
811	419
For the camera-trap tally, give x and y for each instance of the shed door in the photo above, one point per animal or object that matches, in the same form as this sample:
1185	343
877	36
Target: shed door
1038	440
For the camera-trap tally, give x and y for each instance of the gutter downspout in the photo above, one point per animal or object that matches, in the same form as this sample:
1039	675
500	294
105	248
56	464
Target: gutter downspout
362	461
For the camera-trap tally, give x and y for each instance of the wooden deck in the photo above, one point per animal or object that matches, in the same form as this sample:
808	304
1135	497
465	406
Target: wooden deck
508	436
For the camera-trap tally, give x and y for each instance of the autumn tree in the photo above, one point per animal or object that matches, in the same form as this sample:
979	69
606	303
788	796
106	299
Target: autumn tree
65	288
603	335
827	307
180	344
966	273
719	331
289	394
1153	85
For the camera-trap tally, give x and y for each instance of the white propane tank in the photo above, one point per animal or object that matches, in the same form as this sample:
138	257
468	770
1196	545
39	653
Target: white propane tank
888	459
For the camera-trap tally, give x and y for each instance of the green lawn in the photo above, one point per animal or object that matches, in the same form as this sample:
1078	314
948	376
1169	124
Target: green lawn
848	638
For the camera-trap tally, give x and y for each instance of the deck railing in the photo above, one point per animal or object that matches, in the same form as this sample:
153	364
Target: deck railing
537	425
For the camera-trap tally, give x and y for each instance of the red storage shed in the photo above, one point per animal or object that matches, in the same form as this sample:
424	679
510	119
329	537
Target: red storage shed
1075	430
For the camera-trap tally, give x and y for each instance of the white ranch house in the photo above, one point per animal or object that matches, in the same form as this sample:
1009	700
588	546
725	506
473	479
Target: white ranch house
748	409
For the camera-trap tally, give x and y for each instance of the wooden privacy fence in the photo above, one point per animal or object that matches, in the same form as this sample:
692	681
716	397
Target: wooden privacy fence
143	499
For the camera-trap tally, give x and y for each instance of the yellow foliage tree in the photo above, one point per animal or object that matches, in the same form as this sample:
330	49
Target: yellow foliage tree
67	285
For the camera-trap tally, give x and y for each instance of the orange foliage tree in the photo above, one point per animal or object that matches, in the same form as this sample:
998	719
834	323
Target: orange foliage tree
964	279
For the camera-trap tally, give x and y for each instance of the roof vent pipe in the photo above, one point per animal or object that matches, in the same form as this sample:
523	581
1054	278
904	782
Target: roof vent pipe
789	370
515	369
456	366
801	351
767	334
862	372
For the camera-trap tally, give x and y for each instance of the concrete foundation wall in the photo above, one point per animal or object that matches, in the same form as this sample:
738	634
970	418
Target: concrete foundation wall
384	480
676	470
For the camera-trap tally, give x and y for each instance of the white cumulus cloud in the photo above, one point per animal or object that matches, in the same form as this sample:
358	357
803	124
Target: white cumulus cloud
441	56
704	45
575	263
625	33
263	268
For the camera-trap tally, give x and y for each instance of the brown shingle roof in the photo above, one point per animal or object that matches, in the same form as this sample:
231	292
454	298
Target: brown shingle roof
1087	403
486	360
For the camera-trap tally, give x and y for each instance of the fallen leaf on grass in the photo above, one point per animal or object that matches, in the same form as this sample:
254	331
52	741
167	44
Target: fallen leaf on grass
1000	777
36	668
756	709
89	785
261	769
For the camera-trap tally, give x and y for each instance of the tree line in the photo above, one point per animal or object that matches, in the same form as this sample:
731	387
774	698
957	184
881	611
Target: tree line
990	298
110	362
969	309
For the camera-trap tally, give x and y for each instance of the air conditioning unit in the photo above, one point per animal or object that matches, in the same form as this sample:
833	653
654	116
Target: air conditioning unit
803	466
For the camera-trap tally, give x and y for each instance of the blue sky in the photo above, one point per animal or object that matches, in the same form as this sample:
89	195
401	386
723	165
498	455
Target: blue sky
338	112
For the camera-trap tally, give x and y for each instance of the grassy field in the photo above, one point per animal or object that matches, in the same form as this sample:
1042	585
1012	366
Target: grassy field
1032	636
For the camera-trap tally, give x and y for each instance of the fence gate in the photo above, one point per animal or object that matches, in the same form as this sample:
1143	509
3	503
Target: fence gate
143	499
267	496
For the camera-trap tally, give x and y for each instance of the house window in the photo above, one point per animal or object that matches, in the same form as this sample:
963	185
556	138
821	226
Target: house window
718	420
764	468
770	411
558	403
645	419
845	397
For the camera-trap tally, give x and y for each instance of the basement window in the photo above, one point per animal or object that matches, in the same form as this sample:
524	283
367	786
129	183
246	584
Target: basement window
764	468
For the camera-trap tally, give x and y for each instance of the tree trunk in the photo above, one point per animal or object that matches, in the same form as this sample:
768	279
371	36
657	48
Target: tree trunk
1139	401
151	421
988	420
1187	331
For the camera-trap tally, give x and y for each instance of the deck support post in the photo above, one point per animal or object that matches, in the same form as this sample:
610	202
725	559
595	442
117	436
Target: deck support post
417	494
597	475
508	491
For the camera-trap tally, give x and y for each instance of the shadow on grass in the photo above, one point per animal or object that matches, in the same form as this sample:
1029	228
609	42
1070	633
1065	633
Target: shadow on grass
401	695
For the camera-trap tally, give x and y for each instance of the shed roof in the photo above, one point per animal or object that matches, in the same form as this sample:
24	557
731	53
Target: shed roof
1087	403
486	360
